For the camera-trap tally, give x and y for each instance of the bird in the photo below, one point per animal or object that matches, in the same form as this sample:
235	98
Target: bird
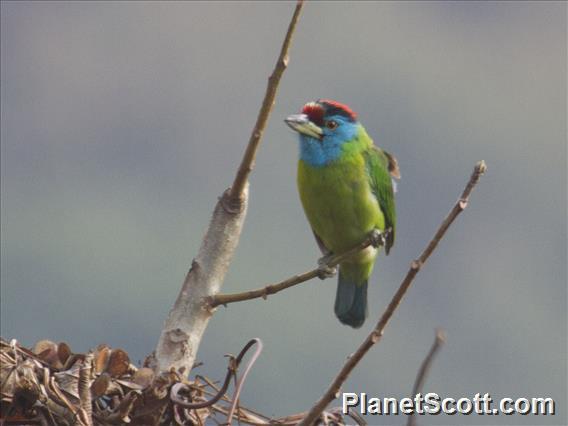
347	189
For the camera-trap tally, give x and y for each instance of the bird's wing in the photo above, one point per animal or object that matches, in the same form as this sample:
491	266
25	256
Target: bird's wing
382	167
325	251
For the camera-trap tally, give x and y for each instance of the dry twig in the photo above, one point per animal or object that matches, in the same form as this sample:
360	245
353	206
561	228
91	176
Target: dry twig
232	368
439	340
247	164
378	331
241	380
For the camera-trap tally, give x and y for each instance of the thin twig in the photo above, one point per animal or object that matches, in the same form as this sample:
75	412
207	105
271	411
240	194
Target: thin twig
247	163
439	340
378	331
242	379
224	299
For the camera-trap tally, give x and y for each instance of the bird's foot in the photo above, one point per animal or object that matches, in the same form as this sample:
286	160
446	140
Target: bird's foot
325	271
378	238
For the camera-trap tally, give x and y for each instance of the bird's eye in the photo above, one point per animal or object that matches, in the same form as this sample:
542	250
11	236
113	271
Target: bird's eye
331	124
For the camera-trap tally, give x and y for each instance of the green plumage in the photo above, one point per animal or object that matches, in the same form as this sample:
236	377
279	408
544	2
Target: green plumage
343	201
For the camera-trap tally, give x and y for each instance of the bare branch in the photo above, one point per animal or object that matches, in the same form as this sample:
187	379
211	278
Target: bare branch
439	340
224	299
247	164
188	319
378	331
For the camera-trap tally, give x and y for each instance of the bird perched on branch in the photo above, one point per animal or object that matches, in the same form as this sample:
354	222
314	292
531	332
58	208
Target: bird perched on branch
346	190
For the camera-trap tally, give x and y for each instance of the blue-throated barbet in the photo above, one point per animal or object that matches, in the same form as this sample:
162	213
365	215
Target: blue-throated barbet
346	189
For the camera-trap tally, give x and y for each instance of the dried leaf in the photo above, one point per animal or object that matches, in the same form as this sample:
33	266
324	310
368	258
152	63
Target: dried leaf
63	352
101	358
143	377
68	381
118	363
100	386
46	350
129	385
43	345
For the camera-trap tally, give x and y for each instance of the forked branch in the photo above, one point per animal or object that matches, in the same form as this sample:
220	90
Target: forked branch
378	331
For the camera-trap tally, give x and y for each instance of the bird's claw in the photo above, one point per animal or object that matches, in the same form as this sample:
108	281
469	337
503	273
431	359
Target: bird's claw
378	238
325	271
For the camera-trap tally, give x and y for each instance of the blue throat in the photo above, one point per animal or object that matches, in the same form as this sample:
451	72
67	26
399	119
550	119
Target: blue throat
319	153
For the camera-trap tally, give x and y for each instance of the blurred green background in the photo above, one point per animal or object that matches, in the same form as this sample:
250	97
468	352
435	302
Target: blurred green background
123	122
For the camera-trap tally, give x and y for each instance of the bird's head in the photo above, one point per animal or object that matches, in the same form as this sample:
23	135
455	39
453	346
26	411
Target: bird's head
325	127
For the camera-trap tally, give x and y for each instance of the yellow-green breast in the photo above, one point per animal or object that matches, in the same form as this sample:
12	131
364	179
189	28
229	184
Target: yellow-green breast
339	203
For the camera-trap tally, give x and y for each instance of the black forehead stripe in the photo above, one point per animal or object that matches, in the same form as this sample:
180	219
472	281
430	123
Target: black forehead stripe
331	109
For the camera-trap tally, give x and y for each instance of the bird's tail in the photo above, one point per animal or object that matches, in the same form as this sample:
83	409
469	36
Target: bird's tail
351	300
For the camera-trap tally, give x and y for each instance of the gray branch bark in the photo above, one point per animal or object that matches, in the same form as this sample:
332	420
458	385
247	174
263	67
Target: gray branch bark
186	322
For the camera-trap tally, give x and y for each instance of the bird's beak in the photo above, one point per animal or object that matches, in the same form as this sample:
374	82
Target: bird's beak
302	124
